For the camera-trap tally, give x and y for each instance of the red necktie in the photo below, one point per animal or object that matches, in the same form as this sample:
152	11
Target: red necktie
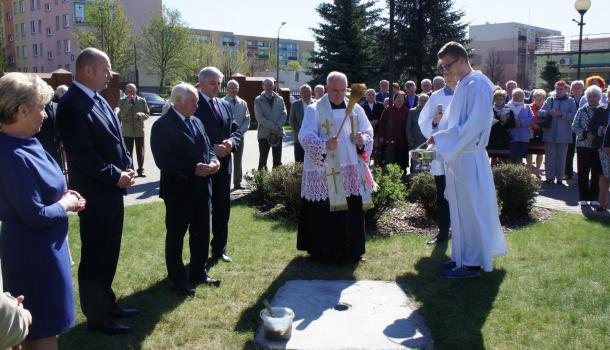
215	111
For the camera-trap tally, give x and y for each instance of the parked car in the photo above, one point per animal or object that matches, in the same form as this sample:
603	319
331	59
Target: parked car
154	101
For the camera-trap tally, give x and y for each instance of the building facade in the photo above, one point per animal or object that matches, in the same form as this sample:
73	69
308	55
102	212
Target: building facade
510	47
261	52
38	35
595	58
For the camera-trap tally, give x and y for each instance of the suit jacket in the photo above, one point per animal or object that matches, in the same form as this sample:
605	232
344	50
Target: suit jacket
49	136
227	129
414	102
133	116
240	111
297	112
268	117
94	145
375	113
176	153
380	96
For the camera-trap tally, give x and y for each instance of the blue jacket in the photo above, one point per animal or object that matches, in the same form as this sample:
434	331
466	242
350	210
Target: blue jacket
560	130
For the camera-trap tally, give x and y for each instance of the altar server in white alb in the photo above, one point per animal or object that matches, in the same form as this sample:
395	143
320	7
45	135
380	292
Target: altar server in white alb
337	184
477	235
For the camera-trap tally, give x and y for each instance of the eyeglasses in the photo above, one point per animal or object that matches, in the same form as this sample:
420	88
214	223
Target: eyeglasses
446	67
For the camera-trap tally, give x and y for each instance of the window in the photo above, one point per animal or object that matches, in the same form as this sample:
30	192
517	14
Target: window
66	21
11	59
9	17
34	69
14	7
47	7
21	6
58	47
67	45
33	25
35	50
39	29
22	29
24	54
41	69
56	22
11	38
50	55
25	69
41	52
49	31
32	5
38	5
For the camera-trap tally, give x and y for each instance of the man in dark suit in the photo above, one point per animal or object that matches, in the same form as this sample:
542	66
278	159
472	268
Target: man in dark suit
225	136
184	154
297	112
384	91
411	98
100	168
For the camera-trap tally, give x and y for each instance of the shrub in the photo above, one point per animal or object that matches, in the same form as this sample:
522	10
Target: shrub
256	180
391	191
280	186
516	189
423	192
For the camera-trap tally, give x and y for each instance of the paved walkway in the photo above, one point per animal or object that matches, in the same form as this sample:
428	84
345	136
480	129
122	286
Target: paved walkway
556	197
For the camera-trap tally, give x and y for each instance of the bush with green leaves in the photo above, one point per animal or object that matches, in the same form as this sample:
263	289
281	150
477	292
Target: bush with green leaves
391	191
280	186
256	180
423	192
516	189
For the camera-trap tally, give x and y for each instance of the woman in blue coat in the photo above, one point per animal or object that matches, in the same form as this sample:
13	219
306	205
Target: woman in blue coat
34	206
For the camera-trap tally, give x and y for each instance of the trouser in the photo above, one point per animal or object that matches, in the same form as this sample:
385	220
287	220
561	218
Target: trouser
587	162
570	157
299	153
101	229
555	160
221	210
195	217
442	207
139	142
263	149
237	169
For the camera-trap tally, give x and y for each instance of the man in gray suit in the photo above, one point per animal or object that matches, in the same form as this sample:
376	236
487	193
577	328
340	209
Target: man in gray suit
296	119
271	116
241	115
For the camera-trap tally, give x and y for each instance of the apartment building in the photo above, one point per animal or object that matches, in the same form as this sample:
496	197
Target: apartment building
512	45
261	51
38	35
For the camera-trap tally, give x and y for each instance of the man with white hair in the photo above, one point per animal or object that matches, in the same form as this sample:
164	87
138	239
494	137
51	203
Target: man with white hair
384	91
133	111
438	83
184	154
225	136
410	98
510	86
296	119
241	114
318	91
337	183
426	86
271	115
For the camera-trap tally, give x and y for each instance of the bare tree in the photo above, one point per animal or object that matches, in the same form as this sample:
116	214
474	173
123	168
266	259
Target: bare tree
493	69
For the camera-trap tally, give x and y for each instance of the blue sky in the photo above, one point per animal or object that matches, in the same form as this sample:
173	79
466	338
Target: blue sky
262	18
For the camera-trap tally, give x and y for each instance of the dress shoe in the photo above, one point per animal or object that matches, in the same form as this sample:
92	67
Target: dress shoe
462	272
223	257
183	291
207	280
123	313
141	173
437	240
109	328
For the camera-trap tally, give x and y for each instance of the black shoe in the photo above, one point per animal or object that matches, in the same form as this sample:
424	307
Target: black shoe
223	257
206	280
437	240
141	173
123	313
109	328
183	291
548	181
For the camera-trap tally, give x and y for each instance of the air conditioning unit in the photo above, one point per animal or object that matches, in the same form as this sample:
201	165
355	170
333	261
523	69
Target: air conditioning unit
564	61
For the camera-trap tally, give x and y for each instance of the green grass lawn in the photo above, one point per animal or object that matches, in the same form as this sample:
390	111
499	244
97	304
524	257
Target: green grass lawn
552	290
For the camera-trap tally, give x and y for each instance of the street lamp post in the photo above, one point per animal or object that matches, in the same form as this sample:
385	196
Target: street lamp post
582	6
277	63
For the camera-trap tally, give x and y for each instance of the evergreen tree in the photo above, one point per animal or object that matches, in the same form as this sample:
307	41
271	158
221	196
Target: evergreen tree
550	74
110	31
422	27
346	41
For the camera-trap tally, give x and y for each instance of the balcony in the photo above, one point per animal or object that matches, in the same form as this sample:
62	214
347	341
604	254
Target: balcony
263	48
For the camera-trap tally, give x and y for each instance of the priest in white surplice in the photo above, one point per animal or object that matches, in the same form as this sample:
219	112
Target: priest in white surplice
477	235
337	183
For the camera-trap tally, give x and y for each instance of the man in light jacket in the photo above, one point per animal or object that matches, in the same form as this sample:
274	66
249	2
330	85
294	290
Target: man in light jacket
133	111
271	116
241	115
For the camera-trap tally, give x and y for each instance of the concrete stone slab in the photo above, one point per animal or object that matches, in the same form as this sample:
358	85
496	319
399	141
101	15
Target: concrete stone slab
380	316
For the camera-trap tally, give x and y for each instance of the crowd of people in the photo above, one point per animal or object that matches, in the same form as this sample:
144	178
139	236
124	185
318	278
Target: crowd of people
198	144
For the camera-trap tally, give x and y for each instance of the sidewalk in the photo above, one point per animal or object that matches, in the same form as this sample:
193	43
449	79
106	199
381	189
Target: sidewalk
556	197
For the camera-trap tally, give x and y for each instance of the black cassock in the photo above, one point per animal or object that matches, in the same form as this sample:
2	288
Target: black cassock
332	236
